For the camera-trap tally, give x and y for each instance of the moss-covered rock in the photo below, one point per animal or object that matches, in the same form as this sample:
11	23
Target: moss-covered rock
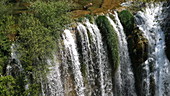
167	42
111	39
166	27
127	20
138	47
90	17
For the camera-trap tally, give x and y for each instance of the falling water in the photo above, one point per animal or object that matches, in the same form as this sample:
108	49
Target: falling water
85	64
55	87
157	65
84	69
14	56
71	48
95	58
124	77
87	59
15	62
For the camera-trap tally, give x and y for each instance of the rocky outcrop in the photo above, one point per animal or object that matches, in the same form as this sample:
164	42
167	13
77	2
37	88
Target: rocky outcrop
127	20
138	51
166	28
137	44
167	41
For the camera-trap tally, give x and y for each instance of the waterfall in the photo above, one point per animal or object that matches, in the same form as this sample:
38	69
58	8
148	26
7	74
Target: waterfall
94	56
15	63
14	56
71	48
124	76
124	53
84	69
157	66
55	86
85	64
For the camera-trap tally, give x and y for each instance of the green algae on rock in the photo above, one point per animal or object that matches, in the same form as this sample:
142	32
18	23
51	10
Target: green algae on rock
111	38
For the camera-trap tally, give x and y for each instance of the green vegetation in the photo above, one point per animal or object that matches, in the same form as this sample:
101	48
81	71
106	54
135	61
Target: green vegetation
111	38
150	0
127	20
35	27
90	18
137	45
7	85
136	42
35	30
4	51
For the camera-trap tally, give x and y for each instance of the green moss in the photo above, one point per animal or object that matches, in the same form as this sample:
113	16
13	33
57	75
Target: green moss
36	33
136	42
83	70
80	19
137	45
90	17
127	20
7	84
111	38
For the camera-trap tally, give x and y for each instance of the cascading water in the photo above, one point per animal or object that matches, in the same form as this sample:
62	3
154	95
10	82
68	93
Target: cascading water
71	50
124	79
14	63
84	68
92	58
95	58
55	86
156	81
102	60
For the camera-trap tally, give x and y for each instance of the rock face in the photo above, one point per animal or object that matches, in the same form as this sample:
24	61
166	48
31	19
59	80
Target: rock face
166	27
137	44
127	20
138	51
167	40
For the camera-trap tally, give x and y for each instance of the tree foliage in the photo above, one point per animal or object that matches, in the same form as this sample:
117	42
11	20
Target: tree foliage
7	85
35	31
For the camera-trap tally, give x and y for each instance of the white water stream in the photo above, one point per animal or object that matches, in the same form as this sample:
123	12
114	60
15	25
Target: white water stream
124	76
157	64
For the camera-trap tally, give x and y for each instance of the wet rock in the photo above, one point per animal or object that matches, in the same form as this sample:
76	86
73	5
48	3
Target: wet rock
139	20
138	51
127	20
136	42
166	28
137	45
